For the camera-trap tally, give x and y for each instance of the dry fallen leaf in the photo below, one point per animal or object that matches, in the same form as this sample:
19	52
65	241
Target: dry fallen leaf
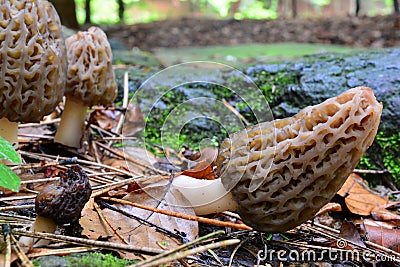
389	238
330	207
348	231
361	200
203	170
134	121
135	232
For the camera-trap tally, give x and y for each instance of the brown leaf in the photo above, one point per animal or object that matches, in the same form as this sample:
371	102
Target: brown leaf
348	231
134	121
90	221
203	170
330	207
106	119
389	238
135	232
360	199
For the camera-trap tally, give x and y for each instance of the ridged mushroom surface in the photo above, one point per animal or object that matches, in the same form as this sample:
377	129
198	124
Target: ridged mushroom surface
64	200
32	60
282	172
91	79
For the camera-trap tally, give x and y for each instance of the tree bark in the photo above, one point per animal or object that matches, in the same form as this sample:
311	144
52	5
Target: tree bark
67	12
396	6
88	12
294	8
358	7
121	10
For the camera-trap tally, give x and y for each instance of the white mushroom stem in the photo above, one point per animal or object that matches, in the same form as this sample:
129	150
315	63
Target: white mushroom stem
72	123
206	196
41	225
9	130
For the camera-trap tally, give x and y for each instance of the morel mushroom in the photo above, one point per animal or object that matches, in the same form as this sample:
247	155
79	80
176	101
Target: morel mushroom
278	174
90	81
32	63
61	202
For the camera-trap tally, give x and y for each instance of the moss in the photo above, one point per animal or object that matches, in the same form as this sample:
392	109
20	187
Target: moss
95	259
385	152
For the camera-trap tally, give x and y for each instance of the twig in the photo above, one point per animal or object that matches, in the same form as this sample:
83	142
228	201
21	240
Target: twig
89	242
112	186
129	158
125	102
18	207
90	163
20	253
106	224
372	171
234	252
183	254
7	252
180	215
145	222
234	111
61	251
181	247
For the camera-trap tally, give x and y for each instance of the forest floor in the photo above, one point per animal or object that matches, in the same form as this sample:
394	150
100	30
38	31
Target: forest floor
365	32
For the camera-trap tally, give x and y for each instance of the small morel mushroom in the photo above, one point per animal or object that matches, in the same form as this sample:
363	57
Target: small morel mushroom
278	174
90	81
32	63
61	202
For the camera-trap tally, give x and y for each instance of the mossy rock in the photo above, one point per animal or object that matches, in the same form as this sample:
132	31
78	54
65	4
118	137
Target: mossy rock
292	85
313	79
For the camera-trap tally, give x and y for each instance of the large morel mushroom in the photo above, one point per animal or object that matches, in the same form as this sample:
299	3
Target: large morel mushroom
278	174
32	63
90	81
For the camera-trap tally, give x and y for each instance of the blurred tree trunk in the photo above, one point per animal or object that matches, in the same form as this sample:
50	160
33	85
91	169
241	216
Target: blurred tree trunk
294	8
396	6
88	12
358	7
121	10
66	11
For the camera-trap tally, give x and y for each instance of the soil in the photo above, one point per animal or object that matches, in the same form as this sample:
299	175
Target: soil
370	32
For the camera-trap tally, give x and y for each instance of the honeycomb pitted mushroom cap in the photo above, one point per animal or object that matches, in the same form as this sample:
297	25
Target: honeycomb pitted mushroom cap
282	172
91	79
32	60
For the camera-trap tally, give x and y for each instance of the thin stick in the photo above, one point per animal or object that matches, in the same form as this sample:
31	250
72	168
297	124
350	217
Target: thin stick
19	207
181	247
89	242
234	111
115	185
183	254
20	253
372	171
129	158
47	122
61	251
180	215
7	252
90	163
106	224
17	198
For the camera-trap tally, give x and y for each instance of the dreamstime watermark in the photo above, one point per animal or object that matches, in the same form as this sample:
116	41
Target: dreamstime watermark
318	254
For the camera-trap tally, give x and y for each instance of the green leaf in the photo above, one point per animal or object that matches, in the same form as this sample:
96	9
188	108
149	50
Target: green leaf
9	179
7	151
